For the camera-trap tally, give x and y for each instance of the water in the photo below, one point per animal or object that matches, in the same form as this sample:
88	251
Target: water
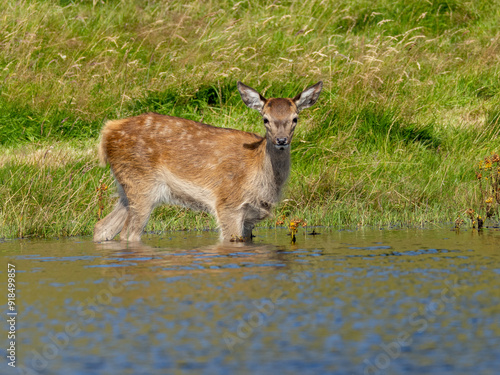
342	302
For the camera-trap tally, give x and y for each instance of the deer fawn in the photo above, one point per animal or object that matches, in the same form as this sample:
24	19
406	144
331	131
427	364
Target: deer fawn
234	175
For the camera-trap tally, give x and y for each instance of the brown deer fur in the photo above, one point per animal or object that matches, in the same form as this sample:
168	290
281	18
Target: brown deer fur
234	175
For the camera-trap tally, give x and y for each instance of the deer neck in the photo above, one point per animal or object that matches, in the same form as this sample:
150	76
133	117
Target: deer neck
276	165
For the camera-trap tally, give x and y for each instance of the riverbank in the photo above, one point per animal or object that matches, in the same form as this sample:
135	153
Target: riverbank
410	104
58	189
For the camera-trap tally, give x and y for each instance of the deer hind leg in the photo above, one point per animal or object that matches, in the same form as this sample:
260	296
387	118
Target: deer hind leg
138	215
107	228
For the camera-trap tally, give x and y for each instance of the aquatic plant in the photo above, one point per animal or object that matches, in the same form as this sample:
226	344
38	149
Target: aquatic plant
488	179
488	176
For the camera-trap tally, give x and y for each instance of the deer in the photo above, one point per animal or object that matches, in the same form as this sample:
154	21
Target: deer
236	176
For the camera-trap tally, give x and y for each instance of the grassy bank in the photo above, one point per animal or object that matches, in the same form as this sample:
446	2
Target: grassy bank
410	102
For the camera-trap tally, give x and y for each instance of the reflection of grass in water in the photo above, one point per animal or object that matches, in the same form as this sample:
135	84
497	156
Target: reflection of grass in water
410	98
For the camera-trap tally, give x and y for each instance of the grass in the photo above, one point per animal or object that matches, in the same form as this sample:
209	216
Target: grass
410	102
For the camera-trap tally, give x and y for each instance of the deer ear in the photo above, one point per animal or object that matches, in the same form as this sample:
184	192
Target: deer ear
308	97
251	97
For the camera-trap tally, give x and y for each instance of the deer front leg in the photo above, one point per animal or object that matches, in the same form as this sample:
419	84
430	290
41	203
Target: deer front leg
253	213
231	224
247	230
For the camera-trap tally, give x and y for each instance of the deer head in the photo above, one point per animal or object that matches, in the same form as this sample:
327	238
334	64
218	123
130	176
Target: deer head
280	115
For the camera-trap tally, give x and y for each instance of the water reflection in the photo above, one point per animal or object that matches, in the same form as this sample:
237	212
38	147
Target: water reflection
367	301
199	259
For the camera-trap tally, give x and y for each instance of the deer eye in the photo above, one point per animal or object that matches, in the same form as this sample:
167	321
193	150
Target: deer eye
295	120
266	121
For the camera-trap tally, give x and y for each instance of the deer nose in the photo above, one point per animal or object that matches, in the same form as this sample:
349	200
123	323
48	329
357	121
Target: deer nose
281	141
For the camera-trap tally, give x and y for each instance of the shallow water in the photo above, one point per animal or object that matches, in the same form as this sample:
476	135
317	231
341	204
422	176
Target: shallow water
342	302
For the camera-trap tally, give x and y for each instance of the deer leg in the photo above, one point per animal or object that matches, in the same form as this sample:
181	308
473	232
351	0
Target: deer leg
252	215
230	224
107	228
247	230
135	223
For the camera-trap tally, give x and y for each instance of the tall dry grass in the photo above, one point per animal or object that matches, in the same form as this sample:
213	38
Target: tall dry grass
410	102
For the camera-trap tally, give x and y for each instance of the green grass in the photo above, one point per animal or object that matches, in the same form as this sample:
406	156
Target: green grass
410	101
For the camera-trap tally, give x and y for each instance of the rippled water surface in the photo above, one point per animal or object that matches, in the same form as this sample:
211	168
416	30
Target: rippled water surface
342	302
